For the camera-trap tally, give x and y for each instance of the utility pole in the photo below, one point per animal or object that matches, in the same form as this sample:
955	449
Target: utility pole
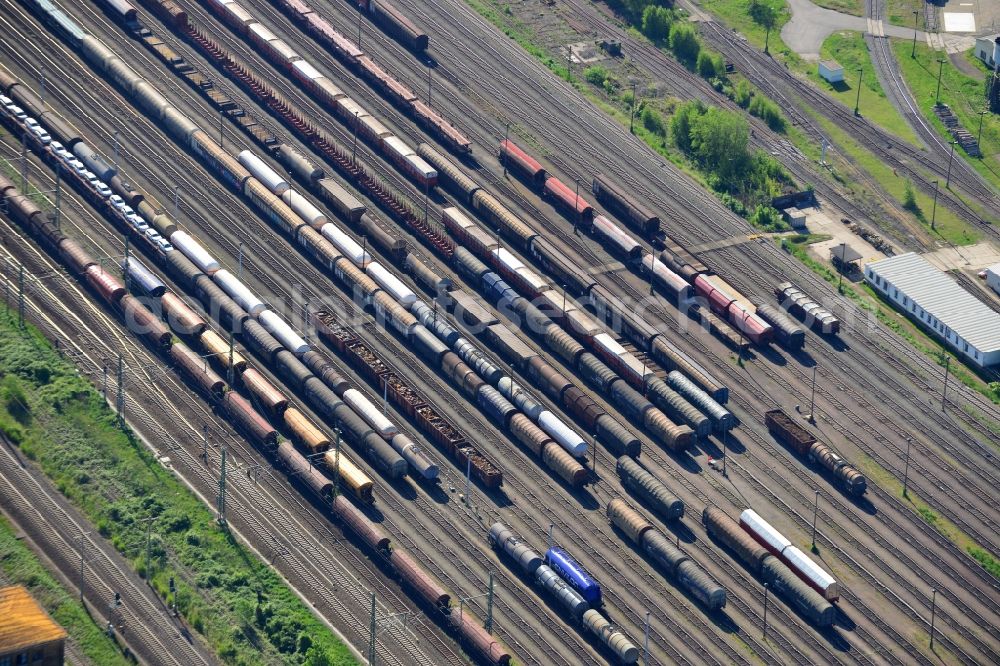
121	392
552	527
222	488
104	391
815	511
979	138
812	400
468	482
240	258
944	391
428	86
840	282
933	613
42	86
177	201
934	207
857	99
371	636
906	466
937	95
116	150
222	128
951	158
913	51
204	442
635	102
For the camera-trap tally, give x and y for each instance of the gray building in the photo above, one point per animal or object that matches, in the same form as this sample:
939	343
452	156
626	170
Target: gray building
939	304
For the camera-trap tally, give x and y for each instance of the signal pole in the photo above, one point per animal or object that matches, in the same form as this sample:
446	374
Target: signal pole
121	392
488	625
20	295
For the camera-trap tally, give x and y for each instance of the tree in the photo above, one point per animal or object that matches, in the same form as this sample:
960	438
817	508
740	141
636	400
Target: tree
687	114
707	65
719	140
684	43
656	23
765	15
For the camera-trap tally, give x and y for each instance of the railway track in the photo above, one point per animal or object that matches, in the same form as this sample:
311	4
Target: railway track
243	493
271	269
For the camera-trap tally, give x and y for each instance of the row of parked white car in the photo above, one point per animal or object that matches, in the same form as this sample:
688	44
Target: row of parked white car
99	186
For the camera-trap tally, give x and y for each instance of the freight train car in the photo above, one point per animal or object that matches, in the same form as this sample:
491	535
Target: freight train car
396	24
779	546
792	434
797	302
624	206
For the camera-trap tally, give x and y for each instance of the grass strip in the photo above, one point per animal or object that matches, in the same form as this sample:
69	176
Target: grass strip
239	604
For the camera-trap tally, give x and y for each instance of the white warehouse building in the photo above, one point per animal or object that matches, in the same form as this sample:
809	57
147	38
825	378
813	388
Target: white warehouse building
936	301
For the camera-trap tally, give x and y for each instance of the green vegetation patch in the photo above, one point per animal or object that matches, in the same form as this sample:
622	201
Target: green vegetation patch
20	566
849	49
966	95
238	603
948	226
737	14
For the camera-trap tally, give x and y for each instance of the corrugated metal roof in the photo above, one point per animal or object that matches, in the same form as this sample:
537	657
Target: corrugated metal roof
23	622
943	298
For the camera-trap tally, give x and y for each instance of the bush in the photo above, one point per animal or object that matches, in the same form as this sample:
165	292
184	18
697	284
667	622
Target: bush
685	44
707	65
768	219
652	121
769	112
910	198
743	93
595	75
656	23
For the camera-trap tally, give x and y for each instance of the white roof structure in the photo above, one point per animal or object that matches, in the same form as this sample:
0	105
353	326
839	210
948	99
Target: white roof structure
939	295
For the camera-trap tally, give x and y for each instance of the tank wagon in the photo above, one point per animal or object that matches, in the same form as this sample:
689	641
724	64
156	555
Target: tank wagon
575	574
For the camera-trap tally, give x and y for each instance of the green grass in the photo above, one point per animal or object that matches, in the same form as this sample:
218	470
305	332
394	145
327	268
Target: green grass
900	12
59	420
947	226
849	49
734	14
987	561
853	7
19	565
964	94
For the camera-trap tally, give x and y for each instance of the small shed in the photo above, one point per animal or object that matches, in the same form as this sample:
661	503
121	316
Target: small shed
27	634
795	217
831	70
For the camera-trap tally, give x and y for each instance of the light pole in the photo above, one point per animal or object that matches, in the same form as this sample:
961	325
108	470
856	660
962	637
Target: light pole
765	610
944	391
812	400
934	207
947	180
857	99
913	51
937	96
576	204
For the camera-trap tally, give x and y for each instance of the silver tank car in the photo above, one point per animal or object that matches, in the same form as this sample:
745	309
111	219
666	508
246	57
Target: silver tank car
502	538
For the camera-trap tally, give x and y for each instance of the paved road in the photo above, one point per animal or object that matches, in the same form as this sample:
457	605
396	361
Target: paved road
811	25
